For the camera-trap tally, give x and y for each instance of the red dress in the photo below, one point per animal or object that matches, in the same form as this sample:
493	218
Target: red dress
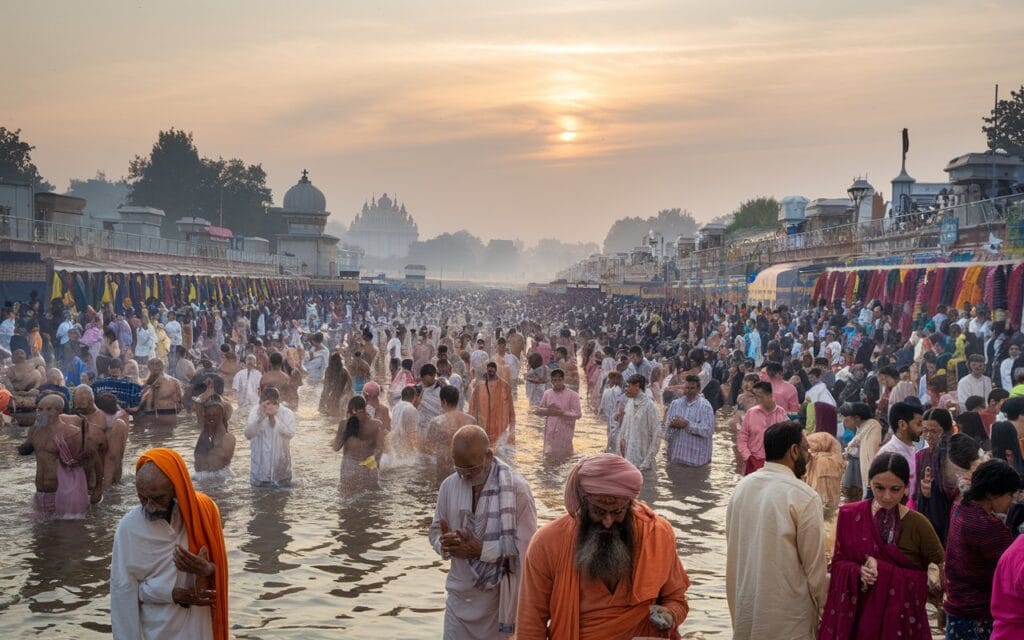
891	609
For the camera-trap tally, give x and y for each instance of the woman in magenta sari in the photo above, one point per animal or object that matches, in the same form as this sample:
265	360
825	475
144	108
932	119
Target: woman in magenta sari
879	583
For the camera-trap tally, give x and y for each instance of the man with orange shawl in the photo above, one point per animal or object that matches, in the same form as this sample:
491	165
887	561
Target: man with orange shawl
169	573
491	405
609	569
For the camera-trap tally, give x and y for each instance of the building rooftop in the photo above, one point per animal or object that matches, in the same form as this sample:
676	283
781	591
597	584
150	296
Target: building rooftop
153	211
303	197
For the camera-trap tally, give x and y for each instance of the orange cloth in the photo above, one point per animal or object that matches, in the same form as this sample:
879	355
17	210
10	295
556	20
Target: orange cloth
491	405
35	341
5	400
201	518
551	588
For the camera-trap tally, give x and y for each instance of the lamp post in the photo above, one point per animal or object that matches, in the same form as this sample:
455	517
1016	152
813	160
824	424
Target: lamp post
858	191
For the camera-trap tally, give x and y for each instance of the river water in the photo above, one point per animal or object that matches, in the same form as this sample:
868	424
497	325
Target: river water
311	561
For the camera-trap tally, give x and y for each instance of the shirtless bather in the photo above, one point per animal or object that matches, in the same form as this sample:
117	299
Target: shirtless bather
61	455
24	378
216	446
161	397
94	423
116	428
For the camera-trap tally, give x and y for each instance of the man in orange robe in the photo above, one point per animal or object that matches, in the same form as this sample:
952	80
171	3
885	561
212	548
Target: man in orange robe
491	405
169	569
606	571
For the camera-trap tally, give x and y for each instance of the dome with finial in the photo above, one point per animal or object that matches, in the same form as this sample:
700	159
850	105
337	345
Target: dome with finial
304	197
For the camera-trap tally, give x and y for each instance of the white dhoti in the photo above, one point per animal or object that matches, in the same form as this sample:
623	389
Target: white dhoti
471	615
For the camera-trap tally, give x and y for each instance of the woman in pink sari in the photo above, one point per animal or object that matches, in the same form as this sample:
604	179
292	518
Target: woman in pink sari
879	583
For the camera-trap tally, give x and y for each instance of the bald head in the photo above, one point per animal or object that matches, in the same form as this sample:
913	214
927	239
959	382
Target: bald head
472	454
52	402
470	438
83	398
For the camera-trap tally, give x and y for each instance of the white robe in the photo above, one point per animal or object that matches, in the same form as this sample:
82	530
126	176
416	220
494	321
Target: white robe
512	363
145	342
316	364
247	387
470	613
405	419
610	400
640	431
142	576
271	456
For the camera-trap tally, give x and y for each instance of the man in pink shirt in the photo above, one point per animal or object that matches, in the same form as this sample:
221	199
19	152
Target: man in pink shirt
784	392
757	419
561	408
543	348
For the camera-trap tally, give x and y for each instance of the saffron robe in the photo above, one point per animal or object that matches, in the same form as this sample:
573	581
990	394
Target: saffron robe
555	603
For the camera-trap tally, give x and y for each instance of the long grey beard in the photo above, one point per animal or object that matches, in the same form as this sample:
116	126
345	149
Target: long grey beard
603	554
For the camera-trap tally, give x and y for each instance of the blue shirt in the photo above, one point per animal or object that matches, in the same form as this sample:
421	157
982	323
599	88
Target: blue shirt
691	445
73	375
128	393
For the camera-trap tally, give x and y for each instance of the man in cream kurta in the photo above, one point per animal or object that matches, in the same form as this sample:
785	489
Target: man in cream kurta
470	612
775	568
142	577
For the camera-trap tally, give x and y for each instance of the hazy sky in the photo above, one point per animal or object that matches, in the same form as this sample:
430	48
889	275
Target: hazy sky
516	119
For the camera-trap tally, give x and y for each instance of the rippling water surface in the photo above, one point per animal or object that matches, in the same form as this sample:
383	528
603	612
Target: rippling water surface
312	561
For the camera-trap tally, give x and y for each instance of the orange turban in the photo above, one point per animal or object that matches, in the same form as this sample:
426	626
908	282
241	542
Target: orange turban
202	522
604	474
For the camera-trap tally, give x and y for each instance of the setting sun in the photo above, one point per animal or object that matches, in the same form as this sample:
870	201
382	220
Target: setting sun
567	136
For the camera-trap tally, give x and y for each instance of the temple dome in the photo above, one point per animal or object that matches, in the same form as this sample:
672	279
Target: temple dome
304	197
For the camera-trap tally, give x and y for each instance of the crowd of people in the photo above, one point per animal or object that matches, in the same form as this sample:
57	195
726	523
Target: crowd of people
909	444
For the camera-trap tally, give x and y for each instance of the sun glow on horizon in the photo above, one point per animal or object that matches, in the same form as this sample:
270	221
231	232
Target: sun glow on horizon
568	128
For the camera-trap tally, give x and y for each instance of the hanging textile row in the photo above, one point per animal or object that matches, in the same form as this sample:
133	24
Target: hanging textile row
922	290
130	290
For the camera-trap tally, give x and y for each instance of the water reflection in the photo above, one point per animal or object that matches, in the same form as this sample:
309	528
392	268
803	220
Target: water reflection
61	571
314	561
268	533
357	567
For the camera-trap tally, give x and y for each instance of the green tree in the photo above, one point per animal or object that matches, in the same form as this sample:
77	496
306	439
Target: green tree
175	178
101	195
627	233
1004	127
759	213
550	255
16	161
170	178
453	252
500	257
236	194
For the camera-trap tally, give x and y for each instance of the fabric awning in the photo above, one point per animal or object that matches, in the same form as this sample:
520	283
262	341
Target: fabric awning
167	265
